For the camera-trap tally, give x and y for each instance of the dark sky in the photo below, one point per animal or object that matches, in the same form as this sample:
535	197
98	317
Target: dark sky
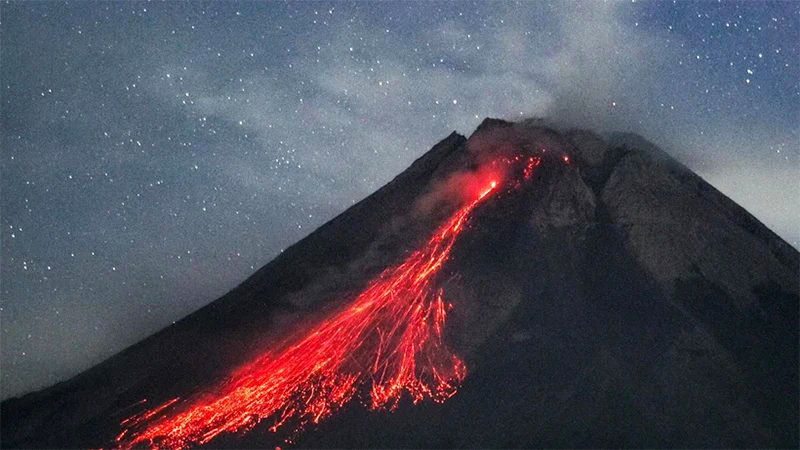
154	155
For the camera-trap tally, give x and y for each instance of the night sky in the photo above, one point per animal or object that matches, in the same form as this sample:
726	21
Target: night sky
154	155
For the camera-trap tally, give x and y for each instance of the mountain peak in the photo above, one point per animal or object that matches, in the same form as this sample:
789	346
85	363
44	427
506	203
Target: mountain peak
490	122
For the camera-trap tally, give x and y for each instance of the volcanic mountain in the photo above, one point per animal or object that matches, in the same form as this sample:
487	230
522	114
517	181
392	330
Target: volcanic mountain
525	287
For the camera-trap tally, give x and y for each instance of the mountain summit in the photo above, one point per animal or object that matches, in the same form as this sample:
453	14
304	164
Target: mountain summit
525	287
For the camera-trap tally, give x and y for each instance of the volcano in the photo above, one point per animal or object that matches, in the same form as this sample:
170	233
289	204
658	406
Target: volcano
525	287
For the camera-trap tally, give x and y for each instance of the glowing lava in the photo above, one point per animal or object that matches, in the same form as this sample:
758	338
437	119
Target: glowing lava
388	339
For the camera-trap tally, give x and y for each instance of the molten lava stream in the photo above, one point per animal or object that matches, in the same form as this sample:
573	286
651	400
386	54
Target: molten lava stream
389	338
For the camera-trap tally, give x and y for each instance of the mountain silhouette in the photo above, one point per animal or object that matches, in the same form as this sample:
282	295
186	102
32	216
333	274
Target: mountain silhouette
602	295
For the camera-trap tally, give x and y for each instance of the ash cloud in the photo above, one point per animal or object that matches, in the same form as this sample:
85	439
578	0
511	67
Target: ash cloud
483	160
457	188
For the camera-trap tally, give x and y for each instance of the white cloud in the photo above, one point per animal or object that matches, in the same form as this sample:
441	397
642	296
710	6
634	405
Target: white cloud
582	64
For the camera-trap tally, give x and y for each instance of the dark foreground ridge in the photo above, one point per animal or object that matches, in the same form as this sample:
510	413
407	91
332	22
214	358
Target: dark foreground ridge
615	301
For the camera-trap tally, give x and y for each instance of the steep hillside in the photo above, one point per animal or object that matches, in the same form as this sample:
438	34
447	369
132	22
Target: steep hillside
613	299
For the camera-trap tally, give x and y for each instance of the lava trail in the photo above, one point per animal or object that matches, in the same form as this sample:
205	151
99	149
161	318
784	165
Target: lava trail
386	341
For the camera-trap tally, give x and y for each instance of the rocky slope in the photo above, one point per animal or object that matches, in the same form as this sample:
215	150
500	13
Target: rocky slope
618	300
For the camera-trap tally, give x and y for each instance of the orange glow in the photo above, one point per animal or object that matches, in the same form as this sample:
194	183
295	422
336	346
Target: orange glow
488	189
532	164
386	342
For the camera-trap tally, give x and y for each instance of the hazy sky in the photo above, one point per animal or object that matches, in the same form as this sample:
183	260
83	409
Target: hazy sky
154	155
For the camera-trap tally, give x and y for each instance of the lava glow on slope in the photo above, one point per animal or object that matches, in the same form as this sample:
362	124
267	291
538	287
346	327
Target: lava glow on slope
386	341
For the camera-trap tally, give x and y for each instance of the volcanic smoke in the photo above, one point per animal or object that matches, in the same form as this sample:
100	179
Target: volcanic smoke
389	340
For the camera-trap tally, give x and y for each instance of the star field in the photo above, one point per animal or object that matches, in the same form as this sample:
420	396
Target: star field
154	155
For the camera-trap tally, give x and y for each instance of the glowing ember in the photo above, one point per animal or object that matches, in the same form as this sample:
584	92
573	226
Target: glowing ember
389	340
531	164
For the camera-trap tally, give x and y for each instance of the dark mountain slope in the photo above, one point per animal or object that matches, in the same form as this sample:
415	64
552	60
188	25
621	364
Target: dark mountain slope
618	300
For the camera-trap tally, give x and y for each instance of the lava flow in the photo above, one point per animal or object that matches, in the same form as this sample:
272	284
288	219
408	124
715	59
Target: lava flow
387	341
